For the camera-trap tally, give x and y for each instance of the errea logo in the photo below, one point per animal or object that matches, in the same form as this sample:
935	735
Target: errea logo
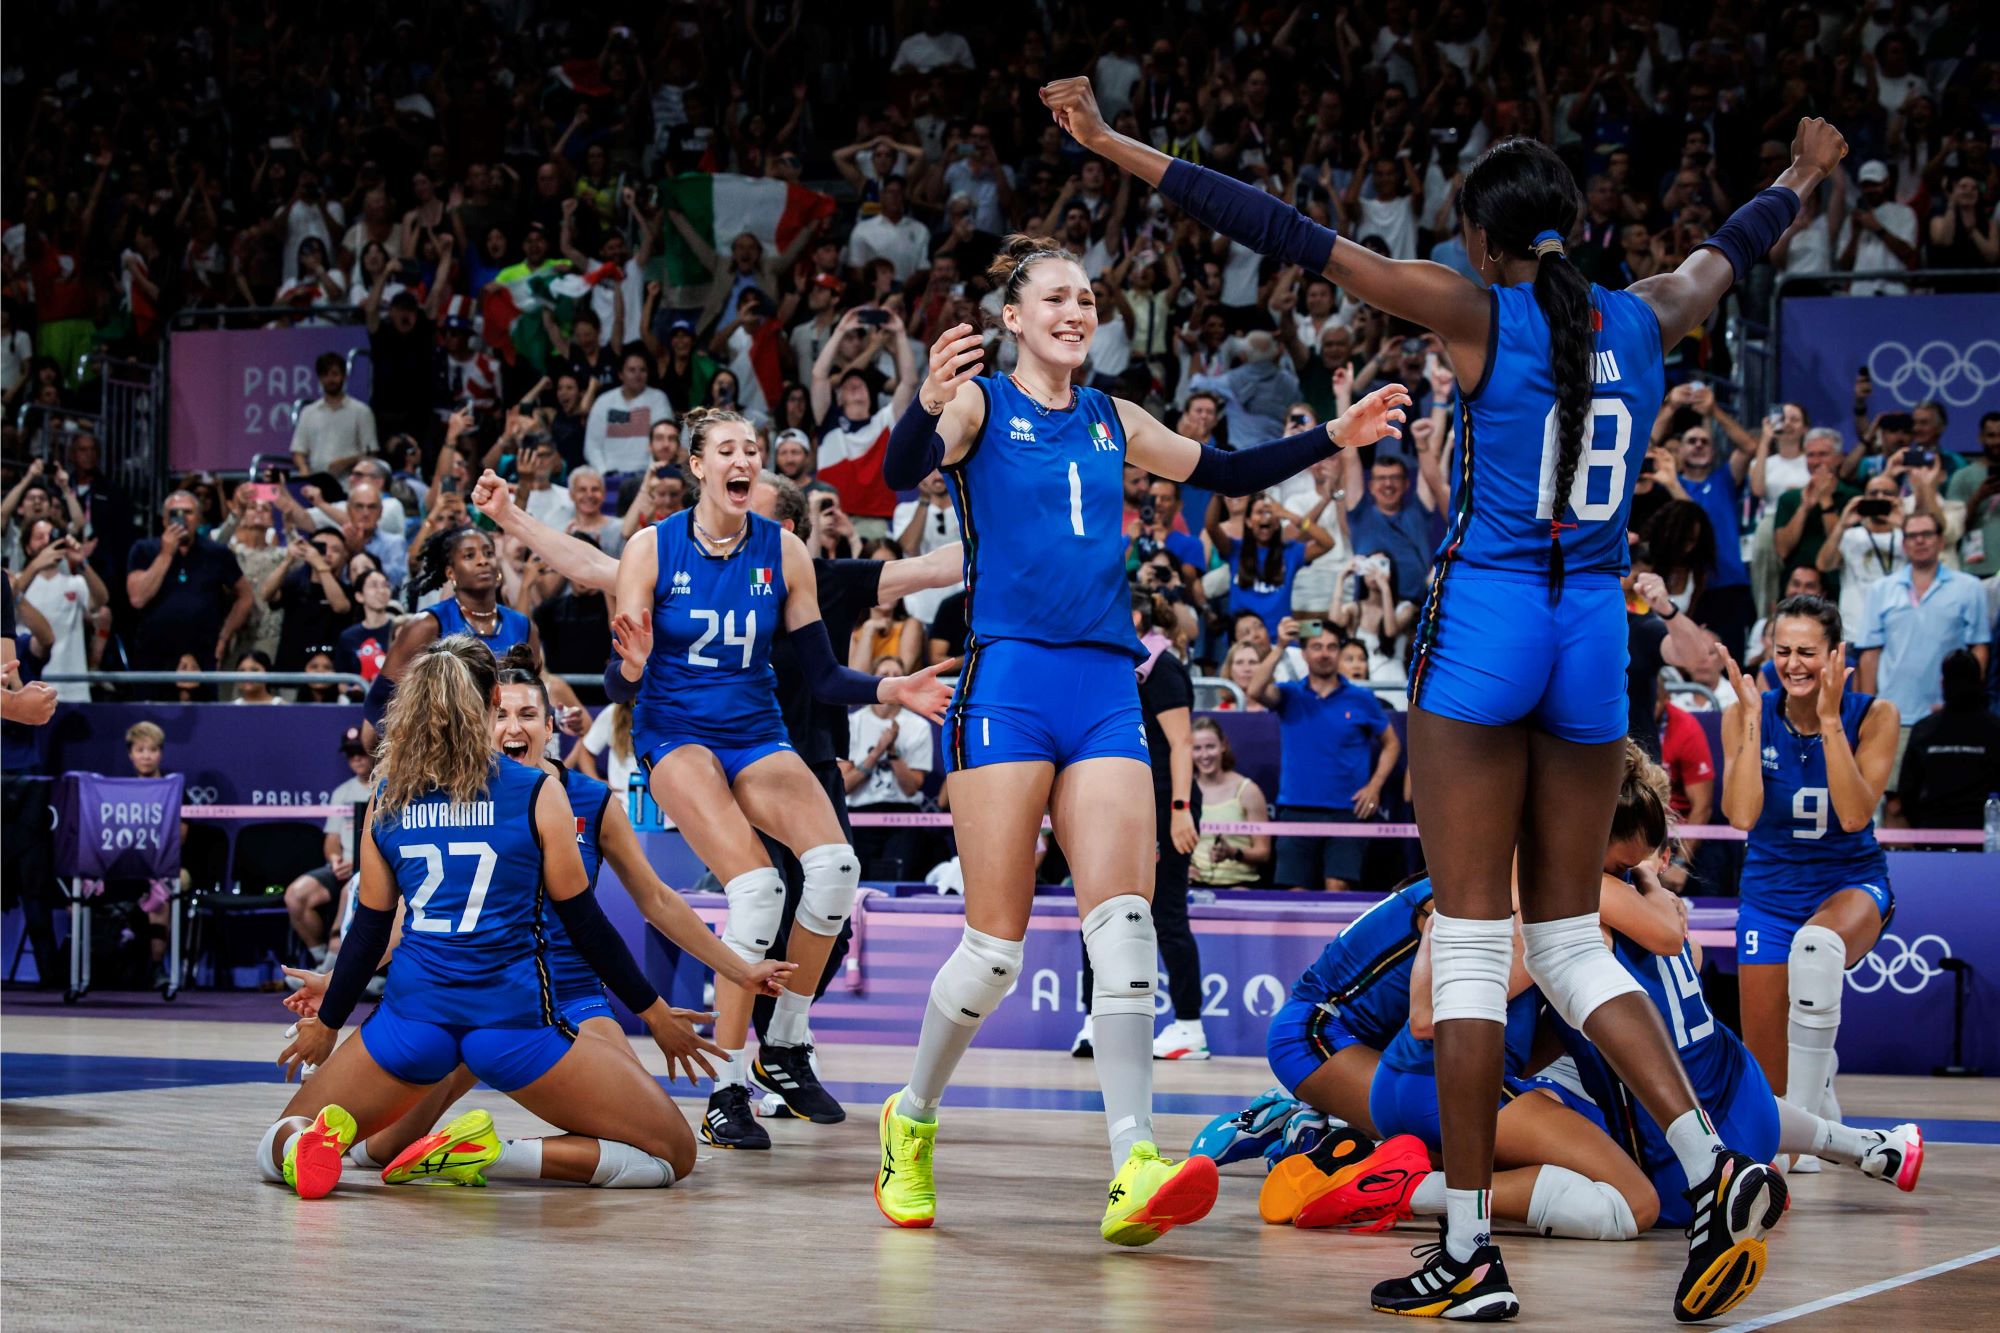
1018	428
1771	758
682	583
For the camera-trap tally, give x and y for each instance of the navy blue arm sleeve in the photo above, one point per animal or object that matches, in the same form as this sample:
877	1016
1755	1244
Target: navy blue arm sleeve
914	450
1754	228
1248	215
595	938
831	682
616	688
375	707
361	949
1262	466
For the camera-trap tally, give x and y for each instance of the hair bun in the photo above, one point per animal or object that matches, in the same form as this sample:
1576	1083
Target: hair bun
522	657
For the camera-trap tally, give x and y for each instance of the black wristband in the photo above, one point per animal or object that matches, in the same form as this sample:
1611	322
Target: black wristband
1662	614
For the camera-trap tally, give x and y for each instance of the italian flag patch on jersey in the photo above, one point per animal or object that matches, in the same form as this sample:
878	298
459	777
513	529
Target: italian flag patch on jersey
760	577
1100	435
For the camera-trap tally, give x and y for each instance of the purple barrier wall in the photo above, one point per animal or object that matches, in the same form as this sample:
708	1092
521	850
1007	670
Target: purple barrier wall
232	390
1897	1016
281	754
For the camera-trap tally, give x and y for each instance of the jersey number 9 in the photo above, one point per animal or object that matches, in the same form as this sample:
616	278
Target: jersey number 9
1809	808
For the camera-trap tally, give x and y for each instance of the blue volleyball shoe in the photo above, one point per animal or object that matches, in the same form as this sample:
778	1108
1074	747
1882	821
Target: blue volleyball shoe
1247	1133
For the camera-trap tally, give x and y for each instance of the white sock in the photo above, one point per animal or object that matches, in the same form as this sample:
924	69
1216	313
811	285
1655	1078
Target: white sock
733	1072
267	1167
520	1159
620	1166
788	1019
1427	1199
1124	1049
1695	1143
1468	1221
1803	1132
358	1155
1568	1203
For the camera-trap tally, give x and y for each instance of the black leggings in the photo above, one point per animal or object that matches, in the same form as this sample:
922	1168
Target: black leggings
1178	949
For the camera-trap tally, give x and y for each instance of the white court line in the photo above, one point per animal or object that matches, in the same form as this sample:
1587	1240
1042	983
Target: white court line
1872	1289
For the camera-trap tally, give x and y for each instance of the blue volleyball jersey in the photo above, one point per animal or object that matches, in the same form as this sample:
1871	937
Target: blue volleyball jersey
709	678
589	798
471	873
1712	1055
511	629
1365	970
1407	1053
1041	503
1503	490
1798	852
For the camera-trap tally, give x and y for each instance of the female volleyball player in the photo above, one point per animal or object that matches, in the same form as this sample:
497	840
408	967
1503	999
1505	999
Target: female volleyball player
1517	707
463	1151
1595	1167
1806	765
1046	718
698	603
473	845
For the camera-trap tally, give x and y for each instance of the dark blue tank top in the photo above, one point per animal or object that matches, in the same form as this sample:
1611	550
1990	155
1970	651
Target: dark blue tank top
589	798
472	947
1503	490
709	678
1798	843
1041	503
511	629
1365	970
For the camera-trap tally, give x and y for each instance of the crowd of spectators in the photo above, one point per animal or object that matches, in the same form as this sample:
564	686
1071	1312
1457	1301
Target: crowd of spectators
402	165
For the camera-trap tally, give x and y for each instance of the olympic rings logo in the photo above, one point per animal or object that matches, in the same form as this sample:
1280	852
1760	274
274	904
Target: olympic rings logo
1937	370
1907	971
202	796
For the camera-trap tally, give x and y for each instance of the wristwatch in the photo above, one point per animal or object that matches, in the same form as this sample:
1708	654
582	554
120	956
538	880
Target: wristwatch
1180	804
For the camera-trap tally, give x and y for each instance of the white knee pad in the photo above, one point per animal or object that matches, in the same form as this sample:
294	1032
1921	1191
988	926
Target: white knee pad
1471	963
1568	1203
756	909
1814	975
620	1166
977	976
833	875
1573	965
1124	955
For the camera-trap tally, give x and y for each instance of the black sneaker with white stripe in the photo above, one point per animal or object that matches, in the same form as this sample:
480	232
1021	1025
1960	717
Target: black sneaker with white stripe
729	1123
788	1071
1444	1288
1739	1202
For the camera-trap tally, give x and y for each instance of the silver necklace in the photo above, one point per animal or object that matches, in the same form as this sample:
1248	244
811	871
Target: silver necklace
1038	402
713	542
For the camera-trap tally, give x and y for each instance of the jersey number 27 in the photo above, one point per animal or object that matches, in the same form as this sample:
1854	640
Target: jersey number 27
1608	457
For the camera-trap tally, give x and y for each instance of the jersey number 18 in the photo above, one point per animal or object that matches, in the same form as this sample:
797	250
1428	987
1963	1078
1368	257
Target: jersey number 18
1610	457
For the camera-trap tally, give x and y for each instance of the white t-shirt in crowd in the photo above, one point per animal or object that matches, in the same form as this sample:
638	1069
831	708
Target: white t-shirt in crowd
551	505
906	243
324	433
1110	347
64	601
346	796
1811	250
1872	253
1783	474
1394	220
1866	558
913	746
1239	275
615	769
614	439
926	51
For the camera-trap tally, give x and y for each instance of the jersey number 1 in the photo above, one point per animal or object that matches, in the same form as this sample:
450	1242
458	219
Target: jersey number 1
1075	500
1611	458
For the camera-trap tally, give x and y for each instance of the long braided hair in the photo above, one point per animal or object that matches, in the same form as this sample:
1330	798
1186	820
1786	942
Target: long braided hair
1525	198
431	567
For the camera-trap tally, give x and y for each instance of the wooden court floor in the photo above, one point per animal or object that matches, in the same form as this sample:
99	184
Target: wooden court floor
137	1207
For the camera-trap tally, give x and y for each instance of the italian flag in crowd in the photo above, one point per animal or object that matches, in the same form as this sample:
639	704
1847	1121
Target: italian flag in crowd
511	309
723	207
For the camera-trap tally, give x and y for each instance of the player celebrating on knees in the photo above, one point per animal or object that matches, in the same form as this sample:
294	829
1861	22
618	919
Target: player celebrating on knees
1807	763
1518	715
468	1151
1046	718
698	602
474	845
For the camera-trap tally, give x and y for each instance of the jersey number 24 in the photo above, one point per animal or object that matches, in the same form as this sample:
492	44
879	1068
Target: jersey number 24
726	626
1608	457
